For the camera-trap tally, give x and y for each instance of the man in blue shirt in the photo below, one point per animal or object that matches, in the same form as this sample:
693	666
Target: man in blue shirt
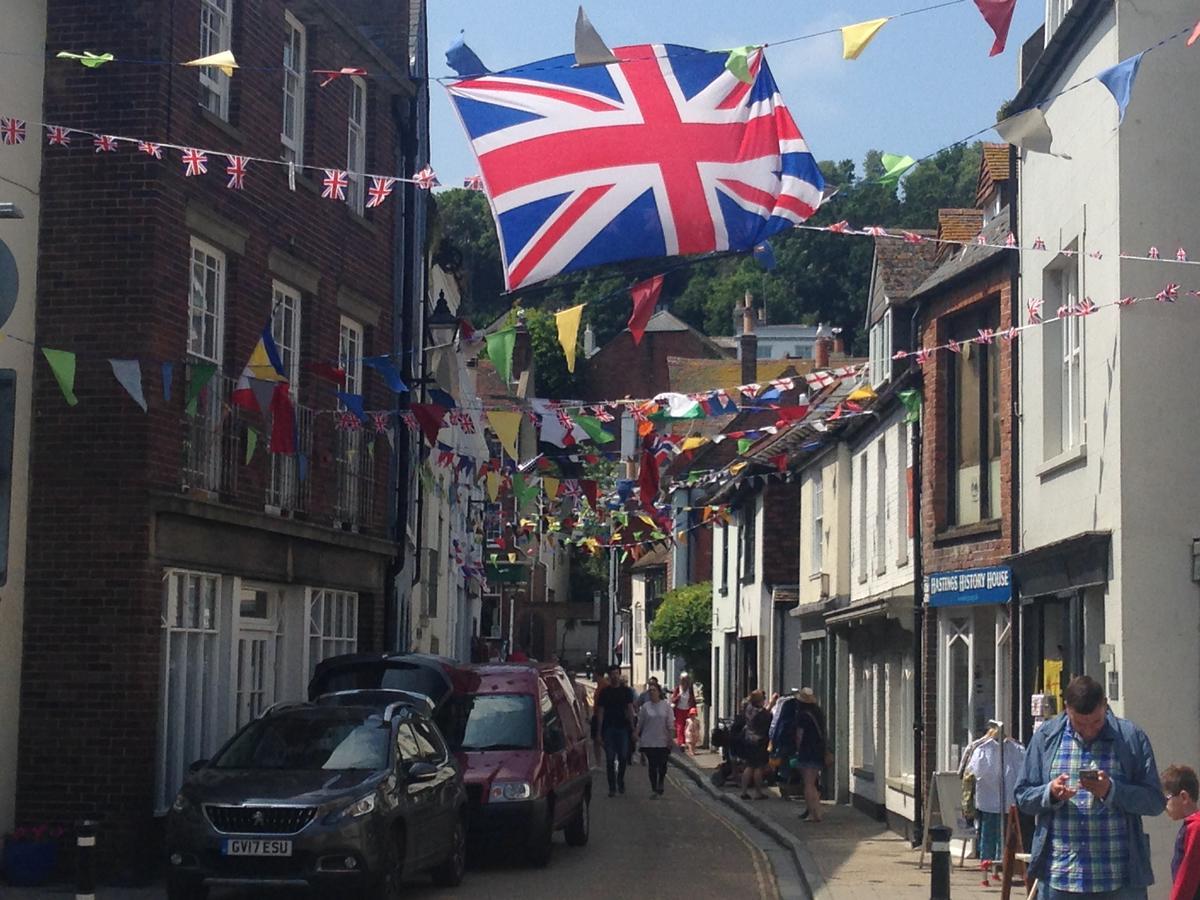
1089	777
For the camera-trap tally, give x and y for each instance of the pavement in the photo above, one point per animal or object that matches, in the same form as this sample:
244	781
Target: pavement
848	855
681	846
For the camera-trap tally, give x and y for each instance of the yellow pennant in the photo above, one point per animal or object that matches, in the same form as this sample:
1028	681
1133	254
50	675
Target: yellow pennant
568	332
493	485
507	426
551	485
856	37
223	61
859	394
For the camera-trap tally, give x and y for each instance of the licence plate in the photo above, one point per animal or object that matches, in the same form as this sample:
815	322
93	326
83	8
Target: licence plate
256	847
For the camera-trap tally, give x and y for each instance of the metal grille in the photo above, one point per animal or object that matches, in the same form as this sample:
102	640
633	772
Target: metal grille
286	491
259	819
356	477
212	439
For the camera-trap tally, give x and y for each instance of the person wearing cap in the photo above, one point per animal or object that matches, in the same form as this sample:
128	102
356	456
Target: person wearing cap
683	700
811	750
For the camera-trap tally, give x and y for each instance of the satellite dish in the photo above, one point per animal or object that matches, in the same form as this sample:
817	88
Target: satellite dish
9	283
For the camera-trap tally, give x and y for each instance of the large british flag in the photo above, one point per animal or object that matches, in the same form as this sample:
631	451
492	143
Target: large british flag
664	153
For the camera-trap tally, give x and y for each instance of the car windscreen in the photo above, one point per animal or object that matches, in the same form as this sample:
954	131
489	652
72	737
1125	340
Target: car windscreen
499	722
333	739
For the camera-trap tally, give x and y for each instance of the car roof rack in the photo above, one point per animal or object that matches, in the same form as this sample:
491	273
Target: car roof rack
403	698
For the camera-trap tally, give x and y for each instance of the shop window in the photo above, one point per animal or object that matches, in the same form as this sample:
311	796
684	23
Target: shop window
864	714
973	676
974	420
901	713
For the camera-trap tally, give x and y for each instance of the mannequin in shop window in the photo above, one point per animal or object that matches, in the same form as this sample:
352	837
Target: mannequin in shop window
995	784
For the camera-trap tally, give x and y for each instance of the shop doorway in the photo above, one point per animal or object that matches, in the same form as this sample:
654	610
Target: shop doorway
257	644
974	680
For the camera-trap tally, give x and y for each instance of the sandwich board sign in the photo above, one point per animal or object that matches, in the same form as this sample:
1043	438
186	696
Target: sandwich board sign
943	806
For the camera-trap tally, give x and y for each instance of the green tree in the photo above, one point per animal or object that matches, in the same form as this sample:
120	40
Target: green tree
464	218
683	627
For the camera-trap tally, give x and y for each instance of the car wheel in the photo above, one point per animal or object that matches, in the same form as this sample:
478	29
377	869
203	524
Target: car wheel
577	832
180	888
450	872
387	884
542	844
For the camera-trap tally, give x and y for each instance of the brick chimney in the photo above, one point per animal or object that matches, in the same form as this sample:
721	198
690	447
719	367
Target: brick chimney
748	343
822	348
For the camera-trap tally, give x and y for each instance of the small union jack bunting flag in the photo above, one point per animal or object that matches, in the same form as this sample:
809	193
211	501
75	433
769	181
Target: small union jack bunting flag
105	143
466	422
380	421
839	227
1153	253
986	336
336	181
1064	311
1096	254
923	356
150	149
1039	244
898	355
473	182
12	131
875	231
1010	334
236	170
1169	294
409	420
380	190
1011	240
980	239
954	347
1181	255
1086	307
911	237
56	135
426	179
195	162
1127	301
603	414
1034	307
348	421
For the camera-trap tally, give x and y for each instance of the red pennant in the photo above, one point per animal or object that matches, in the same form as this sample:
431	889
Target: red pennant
780	461
329	373
791	414
645	298
283	420
998	14
429	417
591	490
648	479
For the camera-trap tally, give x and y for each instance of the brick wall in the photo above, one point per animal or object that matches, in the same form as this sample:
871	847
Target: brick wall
624	369
780	536
114	284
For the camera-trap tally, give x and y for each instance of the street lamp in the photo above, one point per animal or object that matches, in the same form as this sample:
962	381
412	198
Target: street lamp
442	323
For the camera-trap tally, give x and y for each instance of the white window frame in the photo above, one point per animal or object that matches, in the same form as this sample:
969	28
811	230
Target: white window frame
1063	382
881	506
295	59
216	35
902	512
332	628
1071	371
350	353
285	299
881	349
818	524
212	265
188	726
356	144
863	516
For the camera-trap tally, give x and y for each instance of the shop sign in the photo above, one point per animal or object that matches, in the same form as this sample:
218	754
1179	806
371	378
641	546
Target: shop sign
969	587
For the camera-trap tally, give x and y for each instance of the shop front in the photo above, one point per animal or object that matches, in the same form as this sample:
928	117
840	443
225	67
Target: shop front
972	614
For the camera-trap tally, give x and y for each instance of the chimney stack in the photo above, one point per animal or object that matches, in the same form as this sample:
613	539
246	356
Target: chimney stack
822	348
748	343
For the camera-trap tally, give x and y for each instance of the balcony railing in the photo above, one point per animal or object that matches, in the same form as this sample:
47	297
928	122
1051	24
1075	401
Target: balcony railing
355	478
212	439
286	492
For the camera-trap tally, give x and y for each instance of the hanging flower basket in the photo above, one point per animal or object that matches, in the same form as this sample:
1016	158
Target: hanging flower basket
31	854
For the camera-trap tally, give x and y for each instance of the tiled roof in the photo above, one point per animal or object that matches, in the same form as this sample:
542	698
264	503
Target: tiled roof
959	224
691	376
487	382
969	257
995	161
898	269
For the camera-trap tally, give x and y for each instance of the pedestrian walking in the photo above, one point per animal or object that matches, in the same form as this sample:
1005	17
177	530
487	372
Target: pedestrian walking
645	695
614	708
812	751
683	701
601	684
1180	789
654	733
692	732
995	792
755	737
1090	777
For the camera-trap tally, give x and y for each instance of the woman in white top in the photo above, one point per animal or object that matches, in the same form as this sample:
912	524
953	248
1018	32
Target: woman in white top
994	791
655	731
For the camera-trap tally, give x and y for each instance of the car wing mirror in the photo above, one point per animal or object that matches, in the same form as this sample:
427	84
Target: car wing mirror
421	771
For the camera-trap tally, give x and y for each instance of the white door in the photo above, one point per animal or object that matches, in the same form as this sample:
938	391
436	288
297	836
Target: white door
258	633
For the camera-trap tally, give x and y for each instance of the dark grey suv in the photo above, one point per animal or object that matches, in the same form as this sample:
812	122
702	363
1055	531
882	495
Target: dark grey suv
339	797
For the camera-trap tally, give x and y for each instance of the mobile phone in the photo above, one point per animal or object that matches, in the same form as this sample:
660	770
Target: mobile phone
1089	774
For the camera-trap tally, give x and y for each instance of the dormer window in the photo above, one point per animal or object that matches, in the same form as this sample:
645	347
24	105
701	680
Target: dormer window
991	209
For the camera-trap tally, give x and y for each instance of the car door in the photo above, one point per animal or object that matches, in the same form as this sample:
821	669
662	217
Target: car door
445	786
420	798
554	752
576	730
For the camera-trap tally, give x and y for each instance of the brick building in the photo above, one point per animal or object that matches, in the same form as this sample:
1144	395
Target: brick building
967	495
180	580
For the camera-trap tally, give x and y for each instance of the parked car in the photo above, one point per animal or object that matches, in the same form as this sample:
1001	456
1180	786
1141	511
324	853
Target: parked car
340	797
518	729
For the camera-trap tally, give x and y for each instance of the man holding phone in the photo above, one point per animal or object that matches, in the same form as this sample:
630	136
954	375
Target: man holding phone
1089	777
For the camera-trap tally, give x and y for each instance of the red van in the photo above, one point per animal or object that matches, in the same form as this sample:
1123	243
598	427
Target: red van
518	730
525	758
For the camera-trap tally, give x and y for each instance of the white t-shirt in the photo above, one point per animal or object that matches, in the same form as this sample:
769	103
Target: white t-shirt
656	724
985	766
685	700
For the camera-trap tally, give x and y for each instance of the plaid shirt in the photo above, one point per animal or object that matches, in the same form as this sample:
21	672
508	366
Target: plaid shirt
1088	838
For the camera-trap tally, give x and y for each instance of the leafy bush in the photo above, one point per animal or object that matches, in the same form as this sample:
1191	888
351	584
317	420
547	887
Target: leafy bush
683	627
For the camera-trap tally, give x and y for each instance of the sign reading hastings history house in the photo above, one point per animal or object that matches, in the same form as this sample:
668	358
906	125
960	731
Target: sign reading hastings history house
969	587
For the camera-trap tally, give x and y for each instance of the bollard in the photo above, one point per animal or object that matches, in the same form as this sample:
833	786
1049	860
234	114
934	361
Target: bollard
85	860
939	882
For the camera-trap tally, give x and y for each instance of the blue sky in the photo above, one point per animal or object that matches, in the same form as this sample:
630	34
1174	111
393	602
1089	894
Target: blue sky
924	82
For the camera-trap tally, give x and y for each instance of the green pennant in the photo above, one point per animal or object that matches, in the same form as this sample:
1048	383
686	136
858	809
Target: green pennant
737	63
500	350
894	166
201	375
744	444
594	429
62	364
523	490
912	406
658	535
251	443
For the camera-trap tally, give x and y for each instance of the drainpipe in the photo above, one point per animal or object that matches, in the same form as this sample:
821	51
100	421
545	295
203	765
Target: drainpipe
1014	508
915	372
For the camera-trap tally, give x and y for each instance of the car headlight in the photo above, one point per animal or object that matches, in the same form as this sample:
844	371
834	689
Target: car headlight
182	803
510	790
359	807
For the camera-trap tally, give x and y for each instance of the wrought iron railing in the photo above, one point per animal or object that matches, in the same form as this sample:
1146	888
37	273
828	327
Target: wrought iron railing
287	491
355	464
212	438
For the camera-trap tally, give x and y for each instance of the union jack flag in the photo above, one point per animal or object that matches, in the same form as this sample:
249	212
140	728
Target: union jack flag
1039	244
196	162
1153	253
1086	307
980	239
473	182
1127	301
1181	255
986	336
664	153
105	143
57	135
1064	311
911	237
336	181
1169	294
426	179
923	355
602	414
839	227
875	231
380	421
409	420
380	190
348	421
1097	254
571	488
150	149
236	170
1011	240
954	346
12	131
1010	334
1034	308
